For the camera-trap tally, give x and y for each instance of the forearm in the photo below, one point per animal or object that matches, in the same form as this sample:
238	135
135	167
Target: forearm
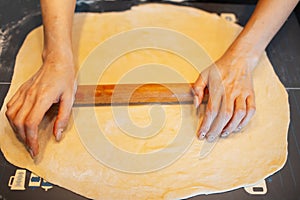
57	20
266	20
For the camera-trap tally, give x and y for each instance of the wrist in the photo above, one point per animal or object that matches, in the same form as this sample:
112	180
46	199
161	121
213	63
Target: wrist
239	60
58	55
244	55
246	50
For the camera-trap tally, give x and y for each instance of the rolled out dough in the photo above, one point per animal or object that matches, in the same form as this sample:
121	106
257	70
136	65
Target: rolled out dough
242	159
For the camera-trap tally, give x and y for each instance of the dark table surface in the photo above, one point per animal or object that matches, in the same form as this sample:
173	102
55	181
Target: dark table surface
19	17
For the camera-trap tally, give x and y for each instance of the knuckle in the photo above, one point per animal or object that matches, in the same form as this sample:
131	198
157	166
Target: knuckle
211	114
8	105
224	119
208	113
43	92
240	113
41	98
9	114
227	114
31	139
64	121
30	124
17	123
30	92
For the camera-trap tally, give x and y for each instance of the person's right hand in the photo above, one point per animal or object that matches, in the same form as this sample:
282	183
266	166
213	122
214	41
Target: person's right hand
53	83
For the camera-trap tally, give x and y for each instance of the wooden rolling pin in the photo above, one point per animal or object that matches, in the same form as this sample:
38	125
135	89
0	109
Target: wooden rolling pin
134	94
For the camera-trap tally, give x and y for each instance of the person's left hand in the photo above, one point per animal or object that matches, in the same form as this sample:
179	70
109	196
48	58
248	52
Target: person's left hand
231	102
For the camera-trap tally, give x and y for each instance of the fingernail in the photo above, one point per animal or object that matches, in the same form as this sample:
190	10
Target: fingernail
225	134
31	153
210	138
59	134
201	135
196	101
238	129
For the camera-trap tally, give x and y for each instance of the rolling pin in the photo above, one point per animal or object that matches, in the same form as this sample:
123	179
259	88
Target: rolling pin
134	94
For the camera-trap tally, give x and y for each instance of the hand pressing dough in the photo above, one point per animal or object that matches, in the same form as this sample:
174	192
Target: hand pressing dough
242	159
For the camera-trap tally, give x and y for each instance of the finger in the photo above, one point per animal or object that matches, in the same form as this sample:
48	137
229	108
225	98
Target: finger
32	139
10	118
10	115
64	111
13	99
199	88
212	108
238	116
13	108
19	94
251	108
223	117
32	122
17	114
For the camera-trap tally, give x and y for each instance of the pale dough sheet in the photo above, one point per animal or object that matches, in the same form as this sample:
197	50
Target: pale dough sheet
242	159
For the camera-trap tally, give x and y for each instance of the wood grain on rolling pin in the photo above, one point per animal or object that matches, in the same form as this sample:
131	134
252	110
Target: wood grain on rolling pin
124	94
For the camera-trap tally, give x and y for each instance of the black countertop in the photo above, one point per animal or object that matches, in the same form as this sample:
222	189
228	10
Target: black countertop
283	51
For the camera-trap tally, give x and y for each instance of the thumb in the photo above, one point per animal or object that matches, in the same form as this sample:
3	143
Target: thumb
62	119
199	88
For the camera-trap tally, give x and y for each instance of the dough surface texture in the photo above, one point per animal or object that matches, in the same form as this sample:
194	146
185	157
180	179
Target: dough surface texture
240	160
